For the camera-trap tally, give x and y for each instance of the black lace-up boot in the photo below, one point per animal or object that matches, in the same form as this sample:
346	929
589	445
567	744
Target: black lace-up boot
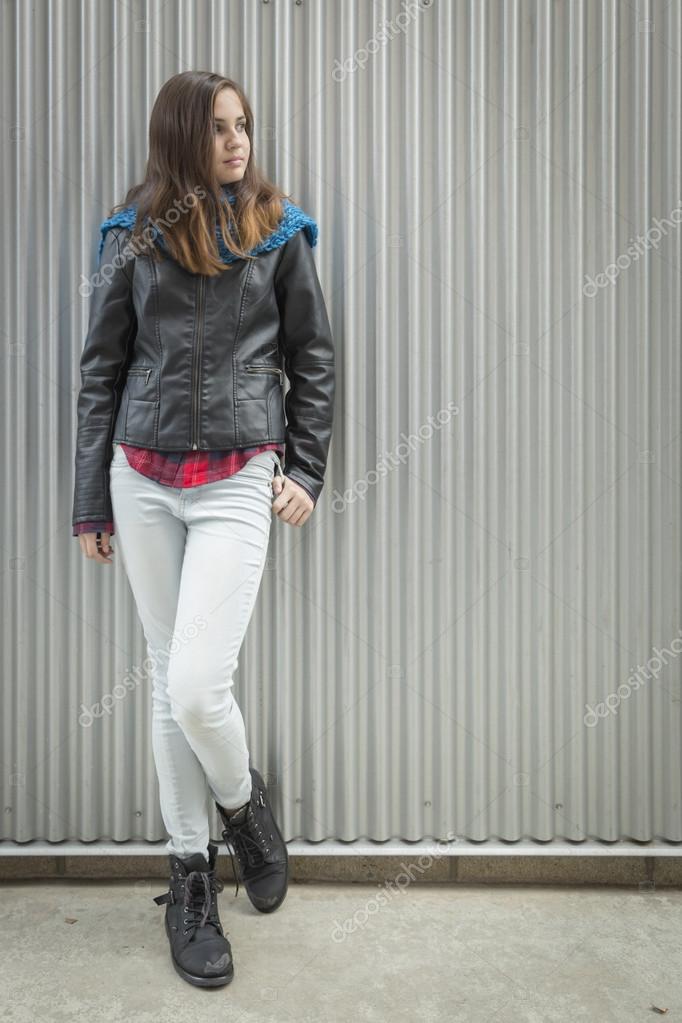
200	951
263	861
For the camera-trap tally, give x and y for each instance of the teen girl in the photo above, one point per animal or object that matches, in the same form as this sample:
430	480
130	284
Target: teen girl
206	294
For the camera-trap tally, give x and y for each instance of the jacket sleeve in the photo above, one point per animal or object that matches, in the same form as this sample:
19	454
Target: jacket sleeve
111	328
309	363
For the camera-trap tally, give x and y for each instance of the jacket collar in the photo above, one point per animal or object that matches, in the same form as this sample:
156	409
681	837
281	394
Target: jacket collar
294	219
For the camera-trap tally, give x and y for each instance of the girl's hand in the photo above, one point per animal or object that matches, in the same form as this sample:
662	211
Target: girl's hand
88	543
292	503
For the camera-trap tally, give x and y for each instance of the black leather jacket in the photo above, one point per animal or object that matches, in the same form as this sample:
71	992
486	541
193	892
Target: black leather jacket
178	361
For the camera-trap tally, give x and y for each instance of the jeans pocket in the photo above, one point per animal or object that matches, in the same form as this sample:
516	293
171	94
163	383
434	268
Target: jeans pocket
119	457
259	467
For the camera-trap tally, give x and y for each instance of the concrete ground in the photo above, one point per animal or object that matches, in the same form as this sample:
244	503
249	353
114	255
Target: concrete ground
348	952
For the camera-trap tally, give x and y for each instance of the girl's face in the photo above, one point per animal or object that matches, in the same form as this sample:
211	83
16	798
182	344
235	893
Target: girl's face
231	140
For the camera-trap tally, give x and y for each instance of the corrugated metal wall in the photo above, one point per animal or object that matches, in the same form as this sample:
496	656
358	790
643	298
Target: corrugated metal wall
468	635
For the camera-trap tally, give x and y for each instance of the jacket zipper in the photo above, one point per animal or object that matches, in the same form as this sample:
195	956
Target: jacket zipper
264	369
197	364
141	373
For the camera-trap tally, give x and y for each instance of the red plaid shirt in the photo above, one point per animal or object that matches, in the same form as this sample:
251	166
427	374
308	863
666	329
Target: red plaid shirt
183	469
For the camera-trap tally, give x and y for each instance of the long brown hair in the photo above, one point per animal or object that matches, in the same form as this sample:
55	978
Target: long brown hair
180	191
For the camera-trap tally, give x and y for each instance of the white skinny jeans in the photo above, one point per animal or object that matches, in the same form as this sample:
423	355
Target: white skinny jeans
194	558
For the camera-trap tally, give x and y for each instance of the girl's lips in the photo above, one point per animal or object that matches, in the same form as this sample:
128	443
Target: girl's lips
237	159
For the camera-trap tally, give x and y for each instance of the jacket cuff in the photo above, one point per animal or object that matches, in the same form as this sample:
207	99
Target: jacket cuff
93	527
311	487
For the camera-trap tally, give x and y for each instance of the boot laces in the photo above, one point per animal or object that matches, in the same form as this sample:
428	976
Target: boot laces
200	888
248	841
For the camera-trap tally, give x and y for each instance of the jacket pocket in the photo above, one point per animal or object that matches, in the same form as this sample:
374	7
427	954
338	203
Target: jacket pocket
141	371
141	418
275	409
141	405
256	368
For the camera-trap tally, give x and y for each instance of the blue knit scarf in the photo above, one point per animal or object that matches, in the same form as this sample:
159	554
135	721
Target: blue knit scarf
292	221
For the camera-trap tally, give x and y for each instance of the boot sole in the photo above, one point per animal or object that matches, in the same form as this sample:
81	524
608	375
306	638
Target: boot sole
218	981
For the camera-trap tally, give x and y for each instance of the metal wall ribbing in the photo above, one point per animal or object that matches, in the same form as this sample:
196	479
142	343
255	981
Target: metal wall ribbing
469	636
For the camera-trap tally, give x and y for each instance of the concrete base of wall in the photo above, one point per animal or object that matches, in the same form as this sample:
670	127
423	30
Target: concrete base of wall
643	871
